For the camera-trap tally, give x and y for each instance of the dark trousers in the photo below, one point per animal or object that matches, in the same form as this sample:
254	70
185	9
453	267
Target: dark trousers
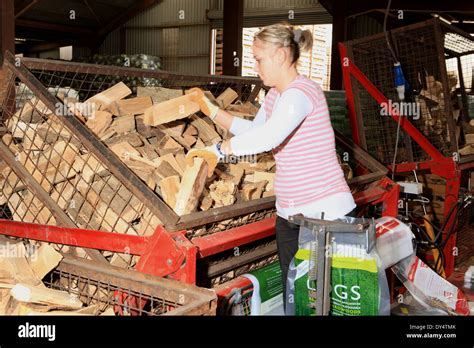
287	246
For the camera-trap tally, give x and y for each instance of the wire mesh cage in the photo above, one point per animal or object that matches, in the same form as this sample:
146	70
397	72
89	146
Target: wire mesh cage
437	61
57	171
114	291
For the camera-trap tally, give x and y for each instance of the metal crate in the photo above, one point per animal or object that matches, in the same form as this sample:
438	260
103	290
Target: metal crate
128	292
428	48
29	194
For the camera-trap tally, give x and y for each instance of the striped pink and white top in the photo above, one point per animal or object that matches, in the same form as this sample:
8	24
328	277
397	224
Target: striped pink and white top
307	168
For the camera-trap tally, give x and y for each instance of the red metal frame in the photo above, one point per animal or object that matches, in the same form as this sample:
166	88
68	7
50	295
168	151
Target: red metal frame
445	167
172	254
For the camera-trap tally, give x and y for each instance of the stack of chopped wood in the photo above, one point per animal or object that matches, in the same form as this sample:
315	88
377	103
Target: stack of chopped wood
22	291
432	108
468	128
151	133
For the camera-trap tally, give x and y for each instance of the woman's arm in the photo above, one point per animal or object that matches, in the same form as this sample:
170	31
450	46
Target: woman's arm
240	125
290	111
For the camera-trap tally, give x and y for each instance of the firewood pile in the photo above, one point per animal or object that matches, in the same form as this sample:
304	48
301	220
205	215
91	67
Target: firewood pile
151	133
132	128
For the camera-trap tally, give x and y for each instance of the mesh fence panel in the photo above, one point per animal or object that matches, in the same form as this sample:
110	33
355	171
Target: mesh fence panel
431	100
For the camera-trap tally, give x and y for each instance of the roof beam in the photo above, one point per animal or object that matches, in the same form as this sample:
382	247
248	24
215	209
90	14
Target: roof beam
53	27
24	6
454	6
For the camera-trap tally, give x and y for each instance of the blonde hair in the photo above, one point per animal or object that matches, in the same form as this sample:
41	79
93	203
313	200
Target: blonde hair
285	35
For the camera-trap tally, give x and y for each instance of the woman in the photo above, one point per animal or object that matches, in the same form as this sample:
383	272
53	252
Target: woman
293	122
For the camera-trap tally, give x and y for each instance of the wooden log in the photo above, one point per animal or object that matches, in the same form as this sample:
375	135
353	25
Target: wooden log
131	106
467	150
469	138
124	150
237	173
147	151
44	260
115	196
173	162
34	111
252	191
148	131
40	295
222	192
159	94
190	131
134	139
110	95
171	110
191	187
175	130
205	130
246	109
164	170
123	124
37	212
181	159
148	223
99	122
14	265
261	176
206	202
227	97
51	130
169	189
207	155
88	166
62	193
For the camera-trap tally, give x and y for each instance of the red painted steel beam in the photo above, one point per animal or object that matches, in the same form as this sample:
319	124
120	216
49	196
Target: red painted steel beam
218	242
346	74
162	256
380	98
116	242
368	196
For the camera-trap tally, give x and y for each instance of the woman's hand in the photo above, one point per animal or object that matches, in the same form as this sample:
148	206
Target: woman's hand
205	104
226	148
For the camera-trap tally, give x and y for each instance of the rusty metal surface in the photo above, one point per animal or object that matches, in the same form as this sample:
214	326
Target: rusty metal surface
171	297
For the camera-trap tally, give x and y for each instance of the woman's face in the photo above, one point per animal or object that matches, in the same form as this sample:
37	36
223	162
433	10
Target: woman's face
266	62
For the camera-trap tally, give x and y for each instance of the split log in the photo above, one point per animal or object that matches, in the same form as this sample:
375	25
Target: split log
210	158
110	95
205	130
44	260
191	187
131	106
40	295
169	189
222	192
14	265
171	110
159	94
123	124
227	97
99	122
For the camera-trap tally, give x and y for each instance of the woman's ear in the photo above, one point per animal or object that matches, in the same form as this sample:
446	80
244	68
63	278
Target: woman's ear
281	55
